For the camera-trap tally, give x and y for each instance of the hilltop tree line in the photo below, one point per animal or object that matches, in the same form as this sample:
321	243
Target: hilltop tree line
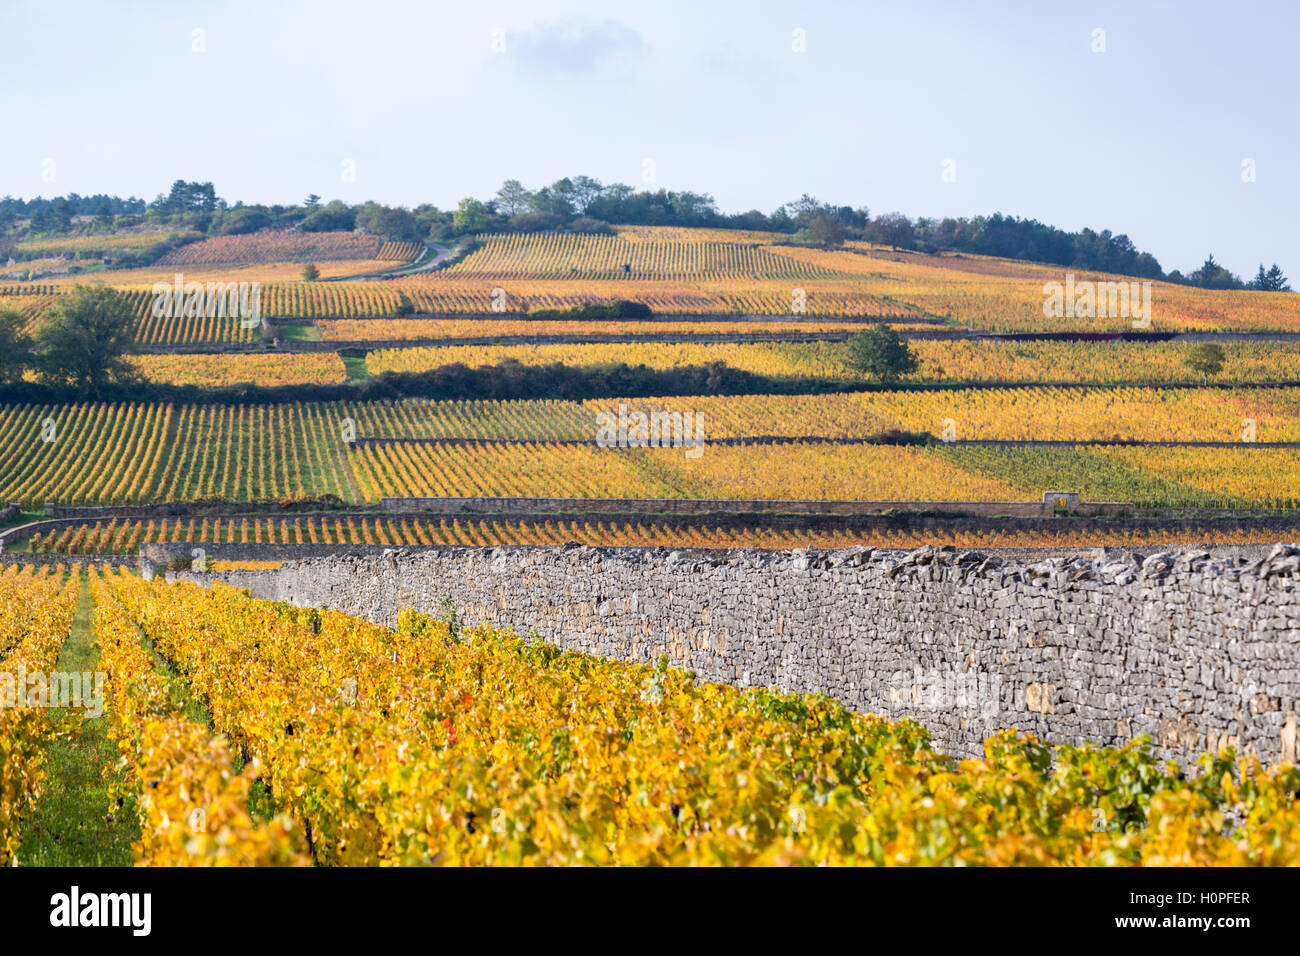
584	204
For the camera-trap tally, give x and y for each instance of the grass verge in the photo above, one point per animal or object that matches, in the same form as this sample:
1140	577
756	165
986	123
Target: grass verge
355	366
298	333
86	815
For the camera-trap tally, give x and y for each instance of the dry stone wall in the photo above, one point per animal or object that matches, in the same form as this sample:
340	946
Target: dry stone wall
1194	652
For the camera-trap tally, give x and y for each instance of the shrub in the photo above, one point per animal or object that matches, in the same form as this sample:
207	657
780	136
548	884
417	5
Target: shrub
618	309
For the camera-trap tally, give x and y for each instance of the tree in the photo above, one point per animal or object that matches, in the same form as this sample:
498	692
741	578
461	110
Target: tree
470	216
1271	281
310	273
826	230
15	347
804	209
394	223
554	200
334	216
881	353
892	229
61	211
312	201
203	197
512	198
1205	359
693	208
586	191
177	197
85	338
185	197
1211	275
241	219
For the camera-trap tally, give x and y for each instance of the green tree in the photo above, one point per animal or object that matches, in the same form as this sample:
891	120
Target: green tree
1205	359
15	347
392	223
586	190
1276	279
310	273
1211	275
803	209
1273	280
85	338
554	200
470	216
882	354
334	216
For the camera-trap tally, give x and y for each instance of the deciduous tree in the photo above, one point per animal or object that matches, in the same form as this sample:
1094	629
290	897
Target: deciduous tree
85	338
882	354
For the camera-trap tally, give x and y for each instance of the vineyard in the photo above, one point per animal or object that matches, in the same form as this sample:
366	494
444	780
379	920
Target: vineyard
263	272
634	254
445	294
363	330
30	307
217	371
1001	295
381	746
105	453
119	454
399	251
33	301
1103	363
89	245
778	359
939	361
265	247
1240	415
750	272
1149	477
530	469
35	616
434	436
678	271
251	733
126	535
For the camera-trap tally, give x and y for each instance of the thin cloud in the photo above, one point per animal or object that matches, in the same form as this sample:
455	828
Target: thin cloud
577	49
746	69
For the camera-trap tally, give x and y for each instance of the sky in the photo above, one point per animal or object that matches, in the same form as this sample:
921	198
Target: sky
1174	123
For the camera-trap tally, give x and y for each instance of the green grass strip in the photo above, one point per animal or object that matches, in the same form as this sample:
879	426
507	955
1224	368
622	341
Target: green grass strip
78	820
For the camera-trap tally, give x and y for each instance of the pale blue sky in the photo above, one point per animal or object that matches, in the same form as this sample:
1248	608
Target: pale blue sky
1146	138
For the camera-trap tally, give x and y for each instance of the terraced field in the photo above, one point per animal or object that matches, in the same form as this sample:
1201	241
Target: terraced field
363	330
134	453
270	246
215	371
1151	477
125	535
940	361
635	253
71	245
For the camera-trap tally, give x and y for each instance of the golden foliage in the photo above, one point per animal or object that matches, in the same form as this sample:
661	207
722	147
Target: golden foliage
432	744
